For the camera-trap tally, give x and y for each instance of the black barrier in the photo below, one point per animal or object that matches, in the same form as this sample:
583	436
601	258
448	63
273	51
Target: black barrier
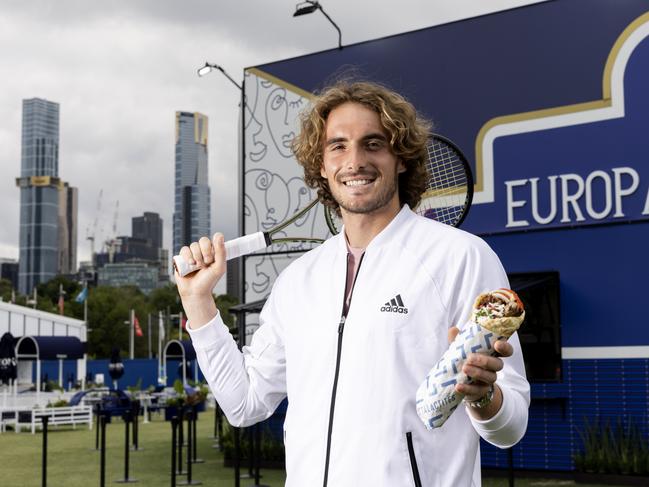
190	440
257	459
251	452
135	413
236	459
127	422
45	420
95	411
257	462
181	418
218	427
195	436
174	427
102	455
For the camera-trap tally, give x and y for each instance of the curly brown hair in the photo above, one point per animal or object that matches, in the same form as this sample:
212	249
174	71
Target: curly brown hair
408	134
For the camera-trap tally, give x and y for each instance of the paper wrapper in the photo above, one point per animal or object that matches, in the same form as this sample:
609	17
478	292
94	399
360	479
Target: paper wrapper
436	397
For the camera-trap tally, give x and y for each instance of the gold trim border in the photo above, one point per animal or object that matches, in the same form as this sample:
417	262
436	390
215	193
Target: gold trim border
605	102
280	82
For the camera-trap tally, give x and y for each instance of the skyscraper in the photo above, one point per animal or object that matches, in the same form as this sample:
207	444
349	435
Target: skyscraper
192	194
68	203
48	206
148	227
39	194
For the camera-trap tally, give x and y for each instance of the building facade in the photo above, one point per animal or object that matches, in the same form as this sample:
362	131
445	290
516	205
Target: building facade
148	227
9	271
566	210
48	206
144	247
142	274
191	218
68	205
39	194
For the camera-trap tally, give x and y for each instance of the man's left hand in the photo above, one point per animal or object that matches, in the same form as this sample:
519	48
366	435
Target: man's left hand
482	369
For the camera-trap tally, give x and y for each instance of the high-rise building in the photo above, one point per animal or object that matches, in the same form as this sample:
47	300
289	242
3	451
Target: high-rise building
68	203
148	227
192	194
39	194
48	206
9	271
143	250
138	273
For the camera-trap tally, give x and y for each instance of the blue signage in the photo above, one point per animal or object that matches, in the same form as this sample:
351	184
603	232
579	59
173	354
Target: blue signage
575	165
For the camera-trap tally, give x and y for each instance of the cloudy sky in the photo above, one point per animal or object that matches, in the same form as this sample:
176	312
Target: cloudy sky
120	70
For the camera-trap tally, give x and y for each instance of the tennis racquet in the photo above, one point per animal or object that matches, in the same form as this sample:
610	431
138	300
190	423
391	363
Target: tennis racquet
447	199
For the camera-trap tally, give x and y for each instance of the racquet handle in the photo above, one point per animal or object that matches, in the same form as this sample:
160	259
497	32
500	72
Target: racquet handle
233	249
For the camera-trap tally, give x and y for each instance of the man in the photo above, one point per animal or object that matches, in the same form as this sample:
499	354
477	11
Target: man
350	366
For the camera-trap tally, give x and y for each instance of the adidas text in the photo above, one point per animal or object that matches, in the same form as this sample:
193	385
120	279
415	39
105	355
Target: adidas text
394	309
395	305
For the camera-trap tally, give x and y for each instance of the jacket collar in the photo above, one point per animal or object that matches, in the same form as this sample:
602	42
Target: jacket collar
384	235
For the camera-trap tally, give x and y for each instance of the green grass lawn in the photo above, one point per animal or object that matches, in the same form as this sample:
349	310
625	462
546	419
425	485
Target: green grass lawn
73	462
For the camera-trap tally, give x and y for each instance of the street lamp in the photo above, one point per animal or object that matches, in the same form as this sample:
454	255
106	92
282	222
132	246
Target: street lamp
202	71
309	6
208	69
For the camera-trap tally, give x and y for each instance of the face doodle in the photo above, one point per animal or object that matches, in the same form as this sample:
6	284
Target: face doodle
282	109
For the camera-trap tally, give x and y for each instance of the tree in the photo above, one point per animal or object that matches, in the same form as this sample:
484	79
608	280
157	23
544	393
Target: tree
223	304
5	289
108	310
48	296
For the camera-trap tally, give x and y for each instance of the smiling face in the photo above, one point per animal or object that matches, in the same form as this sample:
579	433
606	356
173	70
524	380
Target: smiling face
358	162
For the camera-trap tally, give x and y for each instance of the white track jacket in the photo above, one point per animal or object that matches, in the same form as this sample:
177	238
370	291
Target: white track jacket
351	382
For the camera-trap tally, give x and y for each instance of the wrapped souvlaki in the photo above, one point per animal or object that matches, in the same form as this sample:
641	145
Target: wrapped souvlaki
496	314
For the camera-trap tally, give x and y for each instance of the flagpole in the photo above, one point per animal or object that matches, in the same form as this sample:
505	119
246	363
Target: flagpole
148	333
161	336
132	335
85	301
180	326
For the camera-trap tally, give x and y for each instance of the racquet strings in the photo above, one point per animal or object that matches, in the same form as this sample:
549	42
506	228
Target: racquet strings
449	187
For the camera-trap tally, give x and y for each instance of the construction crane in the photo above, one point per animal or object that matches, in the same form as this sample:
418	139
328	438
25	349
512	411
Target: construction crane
111	243
92	231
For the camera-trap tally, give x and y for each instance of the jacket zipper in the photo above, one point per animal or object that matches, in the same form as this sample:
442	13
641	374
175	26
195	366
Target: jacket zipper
413	460
341	328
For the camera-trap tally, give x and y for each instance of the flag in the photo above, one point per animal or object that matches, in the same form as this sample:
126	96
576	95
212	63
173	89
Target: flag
61	299
81	297
136	324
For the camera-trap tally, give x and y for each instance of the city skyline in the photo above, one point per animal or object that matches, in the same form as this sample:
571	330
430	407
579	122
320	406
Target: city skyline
120	74
40	194
191	189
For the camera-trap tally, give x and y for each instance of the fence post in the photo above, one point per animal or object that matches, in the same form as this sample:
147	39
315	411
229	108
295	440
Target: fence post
45	420
128	416
194	434
102	454
174	427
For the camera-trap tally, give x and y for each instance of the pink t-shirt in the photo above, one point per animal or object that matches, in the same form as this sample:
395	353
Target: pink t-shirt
354	256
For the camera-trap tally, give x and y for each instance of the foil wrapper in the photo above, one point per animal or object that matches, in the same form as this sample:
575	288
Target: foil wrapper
436	397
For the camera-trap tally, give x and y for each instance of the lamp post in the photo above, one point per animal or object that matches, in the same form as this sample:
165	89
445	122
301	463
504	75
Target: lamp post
206	69
309	6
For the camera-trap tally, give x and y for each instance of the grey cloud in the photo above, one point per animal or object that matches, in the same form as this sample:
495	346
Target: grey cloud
121	69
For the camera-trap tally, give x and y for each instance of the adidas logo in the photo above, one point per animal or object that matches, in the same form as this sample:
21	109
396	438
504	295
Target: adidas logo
395	305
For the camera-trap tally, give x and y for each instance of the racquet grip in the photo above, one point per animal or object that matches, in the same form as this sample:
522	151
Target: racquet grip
233	249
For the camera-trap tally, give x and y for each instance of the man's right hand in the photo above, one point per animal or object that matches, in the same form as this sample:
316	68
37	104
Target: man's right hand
196	288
